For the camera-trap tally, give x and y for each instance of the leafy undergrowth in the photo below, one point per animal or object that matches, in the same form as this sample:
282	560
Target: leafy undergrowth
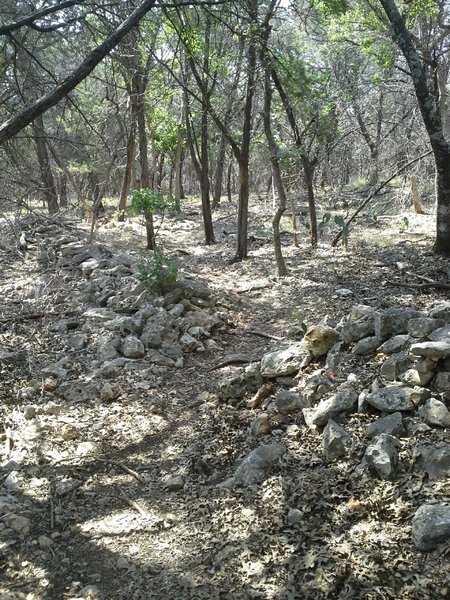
120	534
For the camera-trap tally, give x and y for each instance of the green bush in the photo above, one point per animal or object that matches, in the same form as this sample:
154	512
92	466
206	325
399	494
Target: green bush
159	272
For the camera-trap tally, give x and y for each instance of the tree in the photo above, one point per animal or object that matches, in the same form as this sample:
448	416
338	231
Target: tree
428	102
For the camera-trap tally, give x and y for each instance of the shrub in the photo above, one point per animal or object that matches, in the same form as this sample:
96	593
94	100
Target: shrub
159	272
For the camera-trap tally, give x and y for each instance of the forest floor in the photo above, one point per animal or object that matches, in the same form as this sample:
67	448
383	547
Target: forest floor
121	534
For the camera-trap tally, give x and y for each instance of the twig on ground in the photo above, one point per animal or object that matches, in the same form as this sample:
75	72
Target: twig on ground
133	504
134	474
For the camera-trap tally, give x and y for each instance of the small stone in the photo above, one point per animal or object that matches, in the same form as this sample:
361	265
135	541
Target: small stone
122	563
391	424
29	412
69	432
395	344
294	516
50	384
431	526
20	524
335	440
367	345
133	347
340	402
51	408
434	460
357	330
66	486
13	481
256	466
382	456
288	402
173	483
44	541
434	412
107	393
442	383
391	399
415	377
285	361
261	425
423	326
319	339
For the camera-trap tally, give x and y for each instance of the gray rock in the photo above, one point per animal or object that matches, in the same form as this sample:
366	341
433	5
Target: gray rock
394	366
77	341
78	391
425	365
392	399
442	334
382	457
431	526
257	465
422	326
133	347
434	350
330	408
173	483
434	412
393	321
358	311
356	330
395	344
367	345
107	348
156	358
434	460
318	339
314	387
442	383
252	377
391	424
285	361
294	516
441	311
99	314
18	523
232	387
415	377
335	440
261	425
58	370
189	343
288	402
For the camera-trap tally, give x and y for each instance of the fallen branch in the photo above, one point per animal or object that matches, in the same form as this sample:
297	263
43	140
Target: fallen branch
134	474
232	360
374	193
133	504
262	334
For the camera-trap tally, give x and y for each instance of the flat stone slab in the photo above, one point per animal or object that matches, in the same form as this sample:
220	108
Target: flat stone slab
431	526
392	399
285	361
436	350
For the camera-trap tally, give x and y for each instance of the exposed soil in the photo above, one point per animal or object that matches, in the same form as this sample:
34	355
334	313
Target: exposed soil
120	534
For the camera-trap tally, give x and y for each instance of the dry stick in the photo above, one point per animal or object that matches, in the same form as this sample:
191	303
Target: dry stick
52	513
134	474
262	334
375	192
133	504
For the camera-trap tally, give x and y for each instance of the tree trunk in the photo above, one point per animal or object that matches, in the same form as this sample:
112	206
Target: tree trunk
308	170
126	181
433	123
218	175
276	177
49	187
417	204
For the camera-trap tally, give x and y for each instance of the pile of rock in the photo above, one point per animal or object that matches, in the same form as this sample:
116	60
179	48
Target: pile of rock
120	325
410	352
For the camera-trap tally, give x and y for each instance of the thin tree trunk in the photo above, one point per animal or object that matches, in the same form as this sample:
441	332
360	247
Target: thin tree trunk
276	177
126	181
49	187
218	174
308	170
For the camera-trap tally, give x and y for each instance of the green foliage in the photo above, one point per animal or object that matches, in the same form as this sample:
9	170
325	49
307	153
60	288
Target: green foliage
159	272
147	200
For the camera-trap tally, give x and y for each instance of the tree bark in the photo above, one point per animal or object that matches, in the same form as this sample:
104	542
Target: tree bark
130	158
433	124
48	182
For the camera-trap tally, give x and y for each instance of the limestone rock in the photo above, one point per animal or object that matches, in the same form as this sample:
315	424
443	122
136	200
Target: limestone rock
288	402
261	425
173	483
285	361
442	334
393	321
335	440
356	330
441	311
381	455
133	347
395	344
431	526
78	391
442	383
434	350
391	424
434	412
392	399
395	365
367	345
422	326
434	460
327	409
257	465
415	377
319	339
